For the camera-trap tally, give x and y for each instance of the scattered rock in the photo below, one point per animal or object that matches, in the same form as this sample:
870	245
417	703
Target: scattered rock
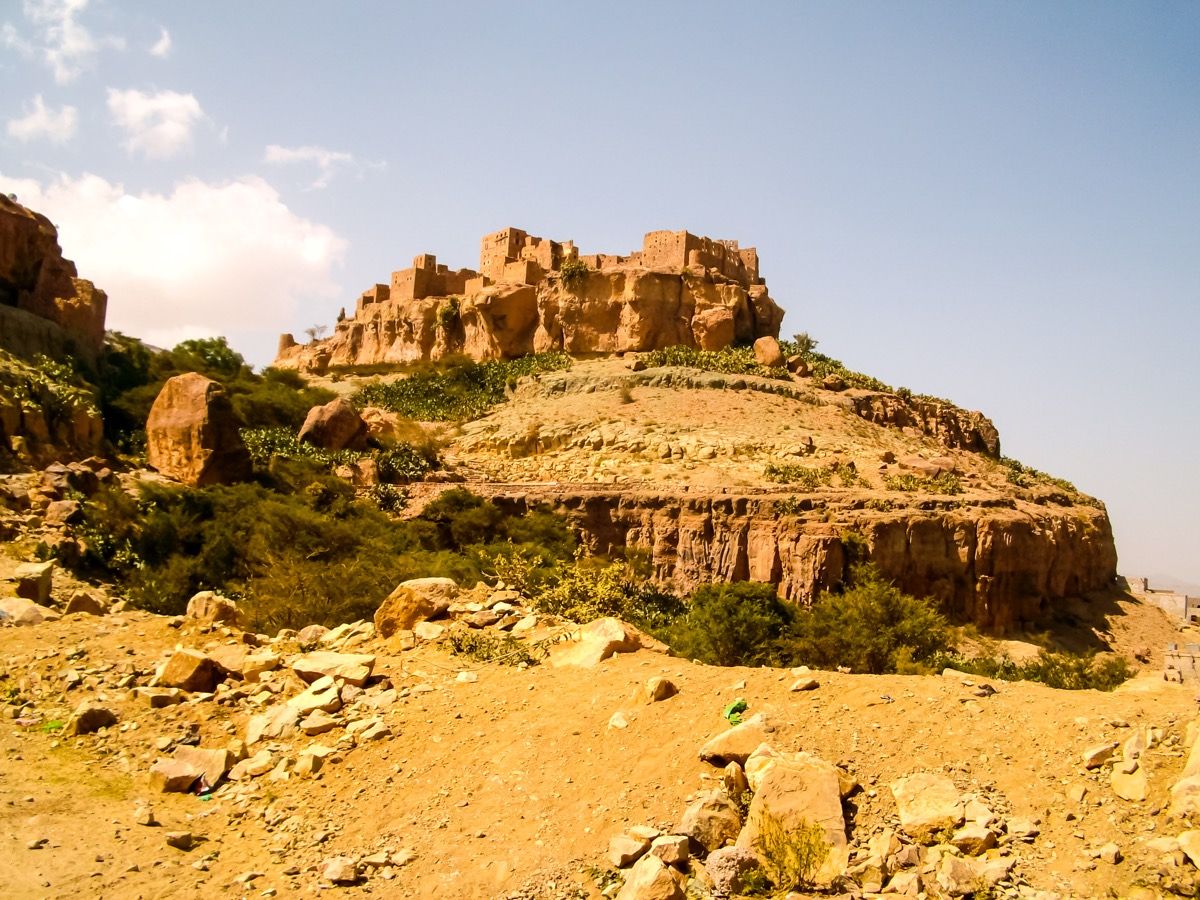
659	688
180	840
414	601
89	718
340	870
767	353
737	743
1100	755
83	603
671	849
34	581
624	850
728	868
1110	853
213	764
596	641
335	425
352	668
927	804
711	821
650	879
211	608
173	776
188	670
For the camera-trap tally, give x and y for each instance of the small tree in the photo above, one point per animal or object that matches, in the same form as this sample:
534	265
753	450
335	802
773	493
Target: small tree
804	343
316	332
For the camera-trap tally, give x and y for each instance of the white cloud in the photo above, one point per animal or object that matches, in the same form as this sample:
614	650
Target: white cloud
42	122
66	45
156	125
326	161
162	47
205	259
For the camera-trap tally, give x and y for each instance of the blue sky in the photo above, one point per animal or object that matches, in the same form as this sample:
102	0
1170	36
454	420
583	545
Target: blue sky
995	202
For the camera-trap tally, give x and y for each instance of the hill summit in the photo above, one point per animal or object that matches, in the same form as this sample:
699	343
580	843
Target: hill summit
533	294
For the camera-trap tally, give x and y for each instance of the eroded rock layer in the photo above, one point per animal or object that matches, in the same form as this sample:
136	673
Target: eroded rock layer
999	564
35	279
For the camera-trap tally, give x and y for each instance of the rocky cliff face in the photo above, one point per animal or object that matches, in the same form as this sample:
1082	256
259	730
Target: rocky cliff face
1000	565
583	306
35	279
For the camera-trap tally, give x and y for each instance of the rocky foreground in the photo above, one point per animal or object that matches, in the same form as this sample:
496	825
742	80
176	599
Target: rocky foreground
147	756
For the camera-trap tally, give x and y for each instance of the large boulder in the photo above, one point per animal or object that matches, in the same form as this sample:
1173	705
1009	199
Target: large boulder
928	804
767	353
651	879
192	434
335	426
414	601
800	791
591	644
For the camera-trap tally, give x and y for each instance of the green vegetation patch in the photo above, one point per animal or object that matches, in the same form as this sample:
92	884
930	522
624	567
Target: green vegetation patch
730	361
305	550
397	464
456	389
1066	671
131	375
945	483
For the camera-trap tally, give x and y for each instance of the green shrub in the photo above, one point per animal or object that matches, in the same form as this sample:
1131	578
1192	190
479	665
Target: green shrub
810	478
448	313
130	375
791	857
870	628
309	552
944	483
573	273
488	646
398	463
1066	671
457	388
734	624
591	588
730	361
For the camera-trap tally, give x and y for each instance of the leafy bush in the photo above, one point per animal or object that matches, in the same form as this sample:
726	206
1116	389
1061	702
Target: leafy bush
308	553
130	375
398	463
1066	671
810	478
730	361
735	624
591	588
945	483
456	389
792	857
820	366
573	272
872	628
488	646
448	313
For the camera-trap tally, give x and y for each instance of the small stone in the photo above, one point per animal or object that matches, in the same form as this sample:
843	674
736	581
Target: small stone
173	776
805	684
340	870
624	850
180	840
144	816
89	718
659	688
671	849
1095	757
1110	853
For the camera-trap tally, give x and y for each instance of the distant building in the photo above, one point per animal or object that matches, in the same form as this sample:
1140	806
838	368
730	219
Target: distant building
1175	604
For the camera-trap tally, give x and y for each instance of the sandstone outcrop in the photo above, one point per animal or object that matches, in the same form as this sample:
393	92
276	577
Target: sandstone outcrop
535	295
998	564
192	433
335	425
39	288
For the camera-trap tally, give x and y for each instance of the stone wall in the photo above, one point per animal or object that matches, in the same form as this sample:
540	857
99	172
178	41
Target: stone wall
679	289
